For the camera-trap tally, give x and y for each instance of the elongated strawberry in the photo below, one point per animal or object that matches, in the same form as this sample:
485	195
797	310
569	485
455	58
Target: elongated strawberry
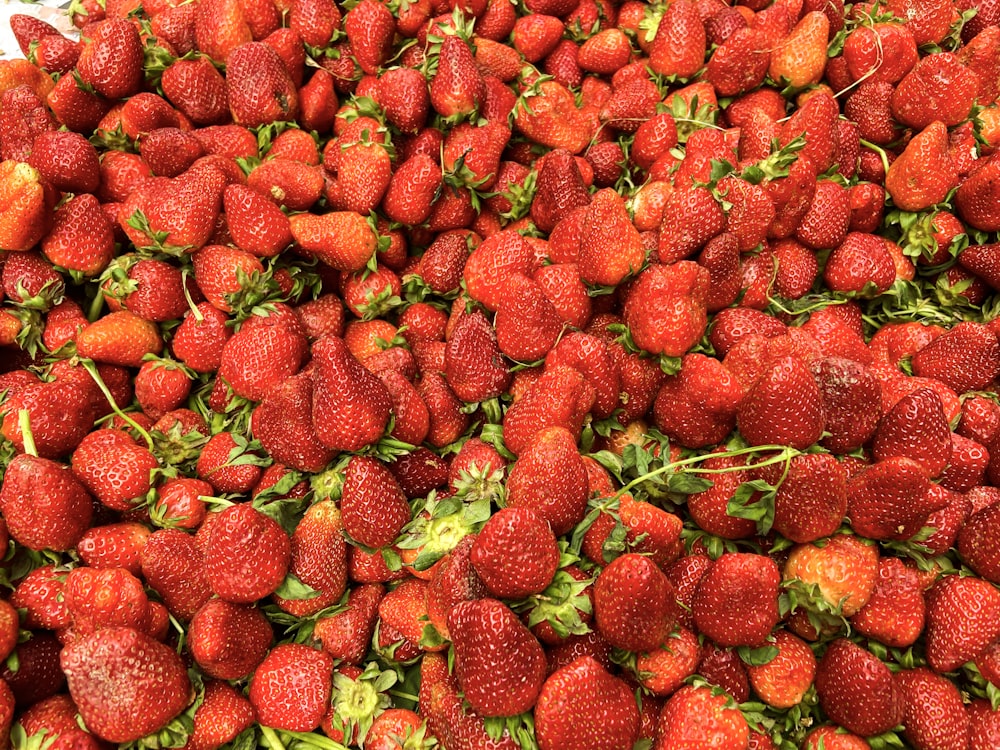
474	365
634	605
373	505
857	690
111	61
550	479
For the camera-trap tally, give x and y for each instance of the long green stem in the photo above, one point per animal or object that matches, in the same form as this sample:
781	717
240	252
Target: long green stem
786	454
91	369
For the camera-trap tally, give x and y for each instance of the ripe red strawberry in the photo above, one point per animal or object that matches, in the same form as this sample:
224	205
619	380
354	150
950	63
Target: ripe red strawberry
370	31
291	688
55	718
634	603
736	601
784	680
977	545
916	429
582	705
492	262
665	308
527	323
81	239
697	407
247	555
114	468
115	545
965	358
499	664
703	716
961	620
549	478
560	189
890	499
172	565
553	120
812	496
228	463
924	173
350	405
125	684
255	223
197	89
739	64
227	641
44	505
895	613
857	690
180	213
347	634
200	338
561	397
783	406
341	239
610	246
474	365
373	505
258	87
112	59
283	424
938	87
104	597
223	714
800	58
402	94
412	190
678	47
515	554
927	695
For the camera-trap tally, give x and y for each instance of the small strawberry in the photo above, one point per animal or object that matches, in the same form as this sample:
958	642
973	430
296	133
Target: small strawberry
223	714
373	505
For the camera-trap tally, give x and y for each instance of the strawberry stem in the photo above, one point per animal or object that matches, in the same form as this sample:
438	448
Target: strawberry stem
785	454
91	368
24	423
309	739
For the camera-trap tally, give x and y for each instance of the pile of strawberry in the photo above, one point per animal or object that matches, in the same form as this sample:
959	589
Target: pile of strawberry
559	374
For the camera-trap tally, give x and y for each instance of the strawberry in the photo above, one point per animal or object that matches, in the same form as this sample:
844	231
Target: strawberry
939	88
114	468
880	51
258	87
561	397
965	358
112	59
350	405
560	189
527	323
895	613
605	52
223	714
412	190
678	47
282	422
373	505
67	160
736	601
370	31
663	671
23	117
456	88
549	478
125	684
610	246
197	89
553	119
857	690
172	565
784	680
812	496
499	664
789	396
341	239
227	641
961	621
702	716
228	463
581	705
116	545
364	172
697	407
976	545
27	206
889	500
516	534
291	688
634	604
44	505
926	694
247	554
800	58
915	429
103	598
81	239
448	717
474	366
447	420
665	308
690	219
859	264
739	64
843	570
265	351
924	173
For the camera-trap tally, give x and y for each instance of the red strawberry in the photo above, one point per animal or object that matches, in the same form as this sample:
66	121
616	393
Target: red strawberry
527	323
373	505
977	545
350	405
112	59
492	262
927	695
223	714
247	555
938	87
895	613
736	601
665	309
172	565
857	690
561	397
889	500
258	86
81	239
783	406
560	189
924	173
812	496
370	31
227	641
634	605
915	428
291	688
515	553
702	716
44	505
610	246
474	366
499	664
550	479
961	620
456	88
347	634
411	193
784	680
553	118
125	684
114	468
965	358
697	407
582	706
678	47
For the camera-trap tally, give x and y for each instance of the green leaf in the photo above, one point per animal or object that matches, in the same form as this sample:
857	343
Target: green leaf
293	589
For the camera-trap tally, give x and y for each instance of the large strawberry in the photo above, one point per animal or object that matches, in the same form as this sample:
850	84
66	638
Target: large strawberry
247	554
499	664
125	684
736	601
961	620
665	308
44	504
258	87
857	690
634	605
291	688
112	59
